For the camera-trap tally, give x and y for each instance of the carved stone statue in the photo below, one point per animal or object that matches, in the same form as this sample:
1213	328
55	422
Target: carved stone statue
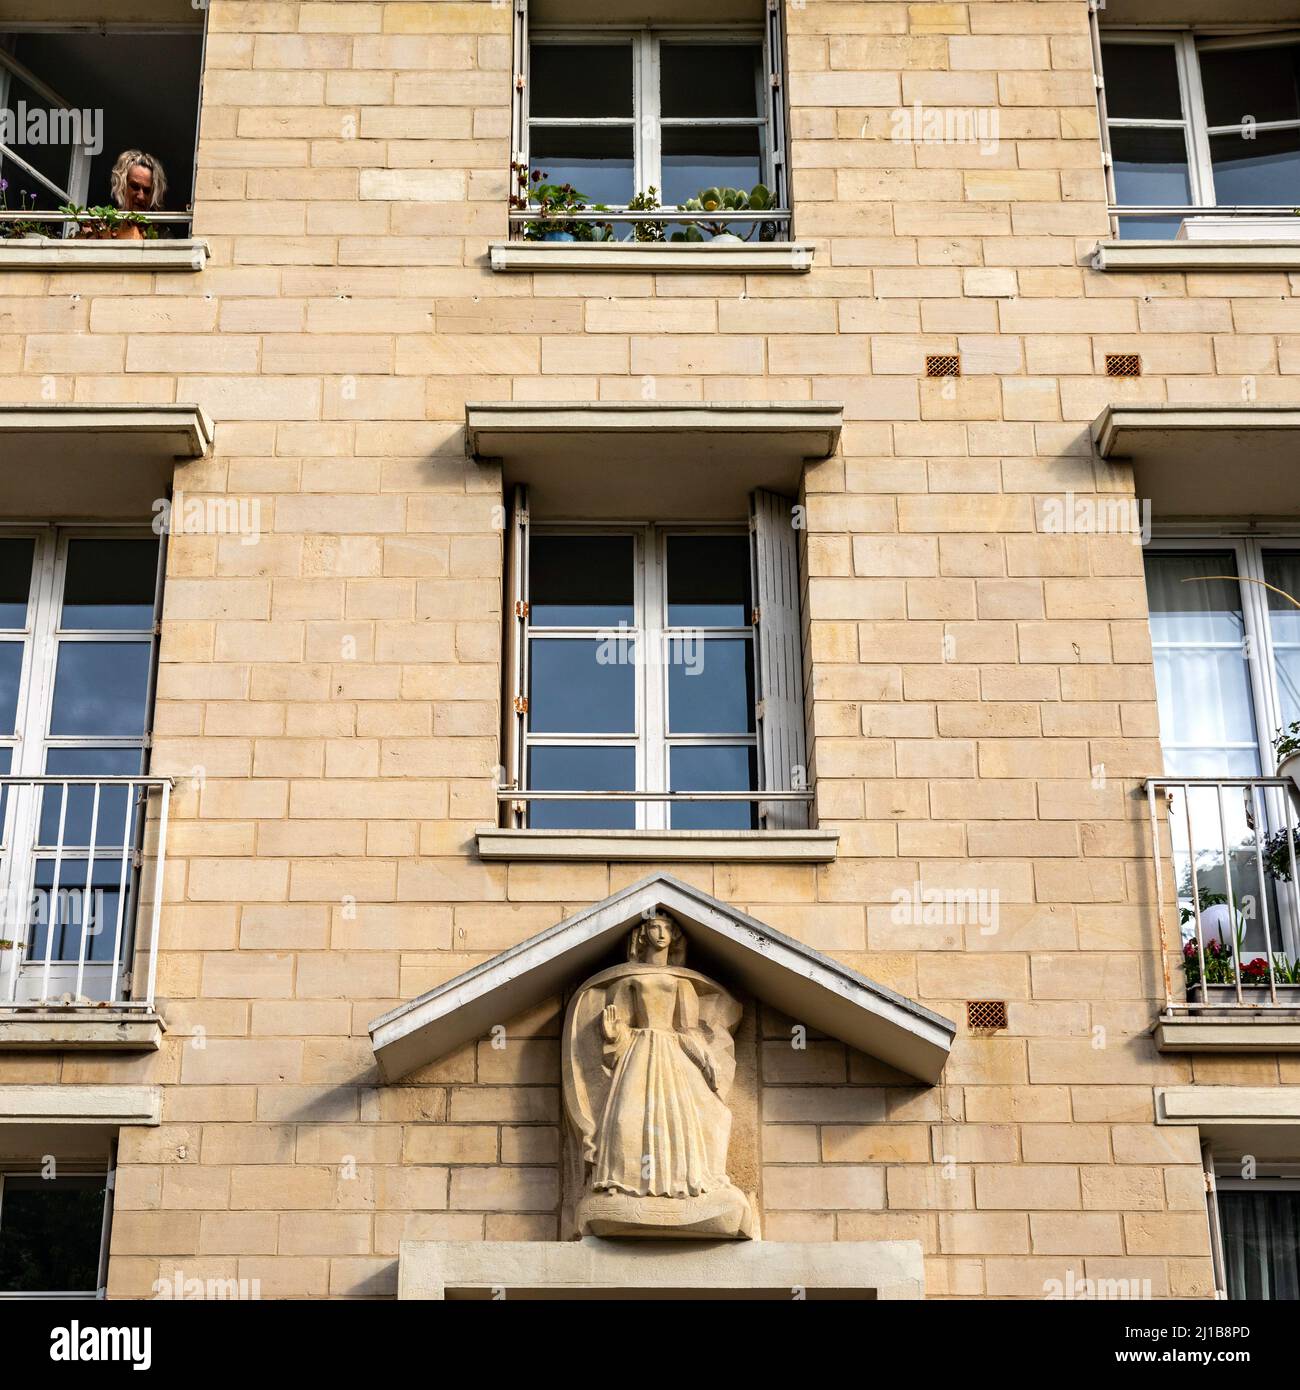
648	1062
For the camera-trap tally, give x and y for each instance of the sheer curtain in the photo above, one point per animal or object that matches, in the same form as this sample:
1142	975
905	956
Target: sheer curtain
1282	570
1261	1244
1207	716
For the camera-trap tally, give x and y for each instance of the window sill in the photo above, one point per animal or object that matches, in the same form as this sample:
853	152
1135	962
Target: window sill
695	258
669	846
90	1030
1275	253
54	253
63	1104
1271	1031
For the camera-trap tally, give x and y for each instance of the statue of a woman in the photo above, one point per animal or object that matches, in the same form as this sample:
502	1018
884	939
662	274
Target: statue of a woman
649	1062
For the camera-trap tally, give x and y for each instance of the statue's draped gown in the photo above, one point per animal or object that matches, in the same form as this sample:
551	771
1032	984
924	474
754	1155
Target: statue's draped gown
664	1132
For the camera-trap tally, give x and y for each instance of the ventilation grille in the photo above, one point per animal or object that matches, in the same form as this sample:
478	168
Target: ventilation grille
943	364
1123	364
984	1015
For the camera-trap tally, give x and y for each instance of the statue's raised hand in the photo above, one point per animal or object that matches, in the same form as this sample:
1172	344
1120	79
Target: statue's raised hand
609	1022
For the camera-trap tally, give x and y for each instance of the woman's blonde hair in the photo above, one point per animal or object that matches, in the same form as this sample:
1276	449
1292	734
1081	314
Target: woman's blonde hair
127	161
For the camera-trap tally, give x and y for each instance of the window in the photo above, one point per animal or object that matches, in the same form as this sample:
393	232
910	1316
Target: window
77	634
1226	647
1259	1223
659	659
76	100
1201	123
51	1234
620	111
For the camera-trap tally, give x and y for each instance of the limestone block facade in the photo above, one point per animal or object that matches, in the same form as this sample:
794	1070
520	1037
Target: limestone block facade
979	682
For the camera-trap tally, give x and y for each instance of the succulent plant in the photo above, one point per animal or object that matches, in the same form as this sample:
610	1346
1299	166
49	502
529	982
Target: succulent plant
723	200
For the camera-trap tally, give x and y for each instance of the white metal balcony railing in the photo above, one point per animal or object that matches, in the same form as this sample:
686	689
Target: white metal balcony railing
81	874
1233	844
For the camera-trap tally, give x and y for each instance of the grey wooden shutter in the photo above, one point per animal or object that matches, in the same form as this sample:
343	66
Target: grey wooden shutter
515	675
782	747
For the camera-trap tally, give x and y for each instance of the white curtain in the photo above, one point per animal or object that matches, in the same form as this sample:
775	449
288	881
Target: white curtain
1261	1244
1207	717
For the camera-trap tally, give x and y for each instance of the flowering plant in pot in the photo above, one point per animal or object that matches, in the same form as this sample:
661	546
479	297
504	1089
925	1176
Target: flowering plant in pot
551	201
11	231
110	224
724	200
1222	957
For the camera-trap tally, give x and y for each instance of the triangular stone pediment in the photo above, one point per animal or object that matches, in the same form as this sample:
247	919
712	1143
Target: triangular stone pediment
811	988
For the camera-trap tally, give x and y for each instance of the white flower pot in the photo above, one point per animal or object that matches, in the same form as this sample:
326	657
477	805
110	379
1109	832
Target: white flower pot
1290	768
725	239
1240	229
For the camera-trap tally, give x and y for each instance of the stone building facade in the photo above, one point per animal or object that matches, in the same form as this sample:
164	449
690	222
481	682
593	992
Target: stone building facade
340	375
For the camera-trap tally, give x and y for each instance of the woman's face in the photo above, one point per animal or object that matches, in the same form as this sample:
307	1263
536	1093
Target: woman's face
658	933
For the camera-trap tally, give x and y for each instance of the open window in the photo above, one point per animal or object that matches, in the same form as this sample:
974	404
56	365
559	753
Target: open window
655	674
663	111
74	97
53	1232
1202	132
77	650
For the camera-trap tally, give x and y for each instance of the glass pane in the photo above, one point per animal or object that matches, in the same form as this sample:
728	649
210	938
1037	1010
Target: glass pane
708	581
581	581
1142	81
710	79
699	157
1264	171
110	586
1150	167
581	687
596	160
1149	228
111	828
714	770
1207	715
15	581
582	769
68	910
1251	84
580	79
11	670
100	690
50	1231
1261	1244
1282	571
710	686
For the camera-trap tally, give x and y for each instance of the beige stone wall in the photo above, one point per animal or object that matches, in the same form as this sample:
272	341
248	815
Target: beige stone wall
337	684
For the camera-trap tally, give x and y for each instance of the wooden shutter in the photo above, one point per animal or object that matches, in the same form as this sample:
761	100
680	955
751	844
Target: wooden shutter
778	653
515	680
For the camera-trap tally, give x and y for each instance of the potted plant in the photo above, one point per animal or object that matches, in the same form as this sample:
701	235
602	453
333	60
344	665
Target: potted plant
724	200
109	224
1219	984
555	202
646	202
1286	748
24	229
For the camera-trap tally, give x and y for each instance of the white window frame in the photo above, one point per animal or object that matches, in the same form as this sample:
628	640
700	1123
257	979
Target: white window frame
646	121
43	639
651	738
1188	46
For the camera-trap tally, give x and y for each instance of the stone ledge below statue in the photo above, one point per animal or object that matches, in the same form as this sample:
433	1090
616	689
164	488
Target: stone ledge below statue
601	1269
723	1214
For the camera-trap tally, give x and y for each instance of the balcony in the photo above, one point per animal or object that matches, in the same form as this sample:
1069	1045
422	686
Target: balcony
1231	845
81	871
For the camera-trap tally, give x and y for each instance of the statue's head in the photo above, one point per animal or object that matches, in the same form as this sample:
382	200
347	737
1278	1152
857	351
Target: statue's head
652	934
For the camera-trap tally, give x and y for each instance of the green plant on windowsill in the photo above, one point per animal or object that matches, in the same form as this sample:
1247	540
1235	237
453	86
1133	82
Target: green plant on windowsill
646	202
1220	968
552	201
110	224
724	200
